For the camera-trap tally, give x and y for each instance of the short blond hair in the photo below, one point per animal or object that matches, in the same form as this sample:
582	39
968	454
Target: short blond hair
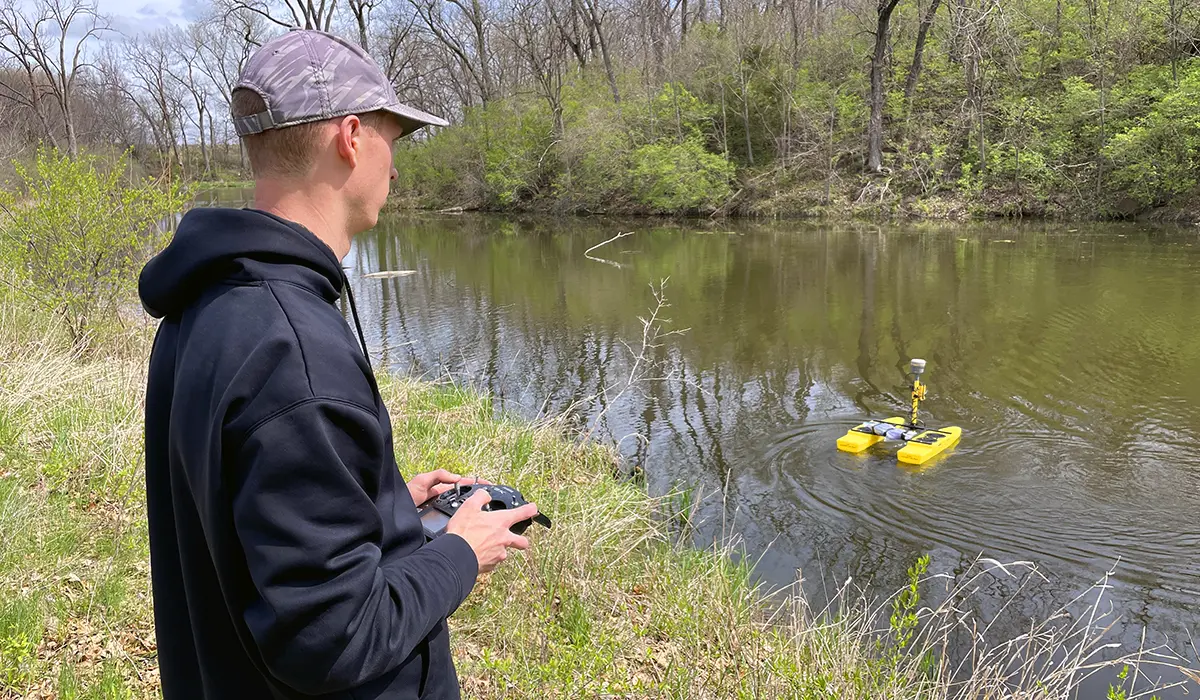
290	151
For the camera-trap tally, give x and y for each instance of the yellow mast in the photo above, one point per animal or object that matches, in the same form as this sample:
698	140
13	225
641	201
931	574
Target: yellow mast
918	389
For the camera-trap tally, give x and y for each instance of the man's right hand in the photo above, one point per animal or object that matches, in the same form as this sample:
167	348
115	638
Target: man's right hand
488	531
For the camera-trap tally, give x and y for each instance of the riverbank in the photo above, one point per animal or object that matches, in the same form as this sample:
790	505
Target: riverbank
1053	143
854	204
613	602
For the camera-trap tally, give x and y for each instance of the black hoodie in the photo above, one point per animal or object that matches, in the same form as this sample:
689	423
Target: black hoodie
287	559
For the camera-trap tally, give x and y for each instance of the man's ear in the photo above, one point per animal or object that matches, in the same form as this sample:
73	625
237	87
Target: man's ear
349	138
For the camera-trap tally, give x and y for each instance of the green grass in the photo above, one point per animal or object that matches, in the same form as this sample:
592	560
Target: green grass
76	619
609	603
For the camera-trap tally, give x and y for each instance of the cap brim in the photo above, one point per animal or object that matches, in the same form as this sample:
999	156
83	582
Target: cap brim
412	118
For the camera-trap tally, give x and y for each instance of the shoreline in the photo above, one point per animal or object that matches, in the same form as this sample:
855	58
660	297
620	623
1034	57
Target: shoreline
949	210
1181	216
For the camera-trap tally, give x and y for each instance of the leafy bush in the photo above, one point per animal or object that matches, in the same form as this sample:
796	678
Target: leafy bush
595	160
1156	158
515	140
74	236
441	170
677	113
1009	168
499	156
593	153
680	177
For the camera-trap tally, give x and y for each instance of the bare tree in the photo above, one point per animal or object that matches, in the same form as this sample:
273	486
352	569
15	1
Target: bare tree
225	42
542	45
360	12
21	85
883	19
567	22
49	40
397	46
194	81
11	142
464	32
595	16
149	61
914	70
305	14
115	110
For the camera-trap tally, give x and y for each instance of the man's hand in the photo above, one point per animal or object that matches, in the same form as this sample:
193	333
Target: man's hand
423	487
487	531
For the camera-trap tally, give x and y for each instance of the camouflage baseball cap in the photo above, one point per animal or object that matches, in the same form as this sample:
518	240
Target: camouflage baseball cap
307	75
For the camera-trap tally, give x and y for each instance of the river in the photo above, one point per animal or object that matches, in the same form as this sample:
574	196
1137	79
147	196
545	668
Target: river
1069	355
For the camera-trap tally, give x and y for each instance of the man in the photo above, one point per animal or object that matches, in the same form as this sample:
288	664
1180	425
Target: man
287	557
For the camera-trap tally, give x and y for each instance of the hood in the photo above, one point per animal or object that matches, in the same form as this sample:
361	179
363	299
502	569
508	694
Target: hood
213	245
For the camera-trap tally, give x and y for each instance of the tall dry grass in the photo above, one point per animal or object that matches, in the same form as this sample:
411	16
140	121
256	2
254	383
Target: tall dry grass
75	616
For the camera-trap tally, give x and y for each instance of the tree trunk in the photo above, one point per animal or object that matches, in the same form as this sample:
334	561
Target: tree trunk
69	118
724	124
794	20
975	100
914	71
172	146
597	26
878	60
485	67
608	70
35	97
570	34
830	161
360	11
580	10
656	36
746	113
1174	15
212	139
185	154
204	144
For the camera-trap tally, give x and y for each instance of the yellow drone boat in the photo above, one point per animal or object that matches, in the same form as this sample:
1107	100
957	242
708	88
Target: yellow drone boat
920	443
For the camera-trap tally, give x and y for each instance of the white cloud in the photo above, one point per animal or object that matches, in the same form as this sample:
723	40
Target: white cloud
133	17
132	25
192	10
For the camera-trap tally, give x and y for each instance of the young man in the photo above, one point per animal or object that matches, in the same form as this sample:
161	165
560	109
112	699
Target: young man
287	557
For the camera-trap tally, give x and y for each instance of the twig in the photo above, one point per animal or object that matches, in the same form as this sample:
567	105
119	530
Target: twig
588	253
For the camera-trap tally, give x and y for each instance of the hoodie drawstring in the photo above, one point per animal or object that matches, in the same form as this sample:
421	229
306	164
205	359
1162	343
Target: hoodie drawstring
357	326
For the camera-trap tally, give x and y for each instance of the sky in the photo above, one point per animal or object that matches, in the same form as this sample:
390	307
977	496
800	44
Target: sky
135	16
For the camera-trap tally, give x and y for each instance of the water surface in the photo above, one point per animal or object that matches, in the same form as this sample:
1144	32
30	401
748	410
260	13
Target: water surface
1069	355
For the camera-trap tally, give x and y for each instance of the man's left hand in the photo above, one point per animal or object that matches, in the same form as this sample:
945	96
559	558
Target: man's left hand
423	487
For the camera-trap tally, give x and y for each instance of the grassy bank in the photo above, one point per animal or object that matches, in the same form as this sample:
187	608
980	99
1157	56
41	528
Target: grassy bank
607	604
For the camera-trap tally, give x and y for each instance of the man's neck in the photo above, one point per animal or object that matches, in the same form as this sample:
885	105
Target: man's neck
306	208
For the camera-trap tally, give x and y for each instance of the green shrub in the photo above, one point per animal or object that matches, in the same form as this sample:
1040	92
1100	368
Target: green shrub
439	171
499	156
515	142
680	177
597	139
1156	158
74	235
678	114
